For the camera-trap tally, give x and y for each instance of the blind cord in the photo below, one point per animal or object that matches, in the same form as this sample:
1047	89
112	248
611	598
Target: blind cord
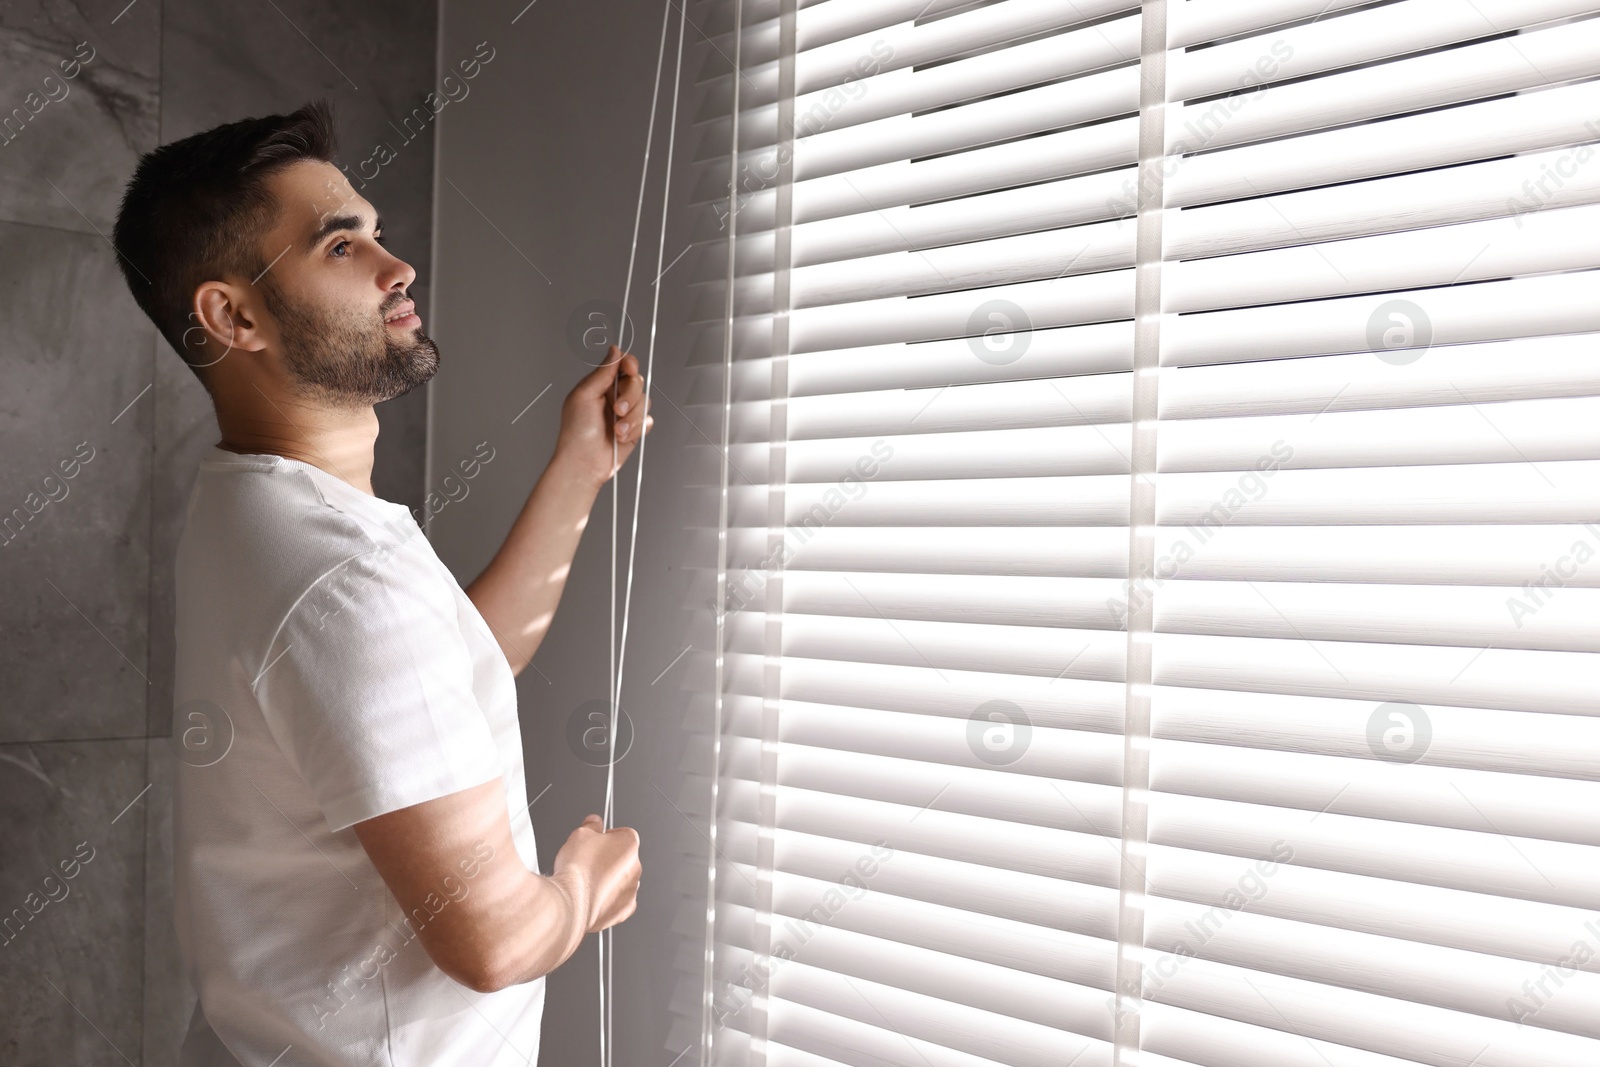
606	944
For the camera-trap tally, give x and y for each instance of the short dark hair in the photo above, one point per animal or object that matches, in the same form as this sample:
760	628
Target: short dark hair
199	209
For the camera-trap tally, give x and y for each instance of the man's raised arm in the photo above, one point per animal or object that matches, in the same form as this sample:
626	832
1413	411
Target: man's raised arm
518	591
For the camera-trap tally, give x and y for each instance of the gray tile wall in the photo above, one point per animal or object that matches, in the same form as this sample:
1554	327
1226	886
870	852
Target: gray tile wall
100	428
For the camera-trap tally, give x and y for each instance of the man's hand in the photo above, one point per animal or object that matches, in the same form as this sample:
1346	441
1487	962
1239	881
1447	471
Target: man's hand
600	870
589	422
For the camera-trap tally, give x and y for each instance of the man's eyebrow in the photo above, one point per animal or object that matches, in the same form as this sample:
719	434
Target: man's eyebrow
339	222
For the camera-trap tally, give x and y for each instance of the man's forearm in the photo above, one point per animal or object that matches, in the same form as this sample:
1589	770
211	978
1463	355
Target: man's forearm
518	591
545	931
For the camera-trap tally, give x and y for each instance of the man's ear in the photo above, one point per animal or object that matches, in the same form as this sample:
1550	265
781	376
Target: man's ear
222	319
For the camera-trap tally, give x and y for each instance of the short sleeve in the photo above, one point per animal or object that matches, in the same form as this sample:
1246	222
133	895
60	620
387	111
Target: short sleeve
367	688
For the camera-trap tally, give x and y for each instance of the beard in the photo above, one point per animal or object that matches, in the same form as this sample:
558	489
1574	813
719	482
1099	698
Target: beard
345	359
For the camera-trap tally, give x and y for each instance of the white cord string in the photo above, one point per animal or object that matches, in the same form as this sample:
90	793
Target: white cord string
617	650
649	364
627	289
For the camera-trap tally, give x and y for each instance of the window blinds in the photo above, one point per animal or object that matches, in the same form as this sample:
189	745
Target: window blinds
1155	552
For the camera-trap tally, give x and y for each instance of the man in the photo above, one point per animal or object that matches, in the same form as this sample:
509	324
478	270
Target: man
356	879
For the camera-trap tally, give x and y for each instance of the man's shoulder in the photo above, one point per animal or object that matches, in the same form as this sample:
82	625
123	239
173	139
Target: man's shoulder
271	504
259	540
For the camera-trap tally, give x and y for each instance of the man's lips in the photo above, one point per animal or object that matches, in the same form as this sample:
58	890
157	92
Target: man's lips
404	315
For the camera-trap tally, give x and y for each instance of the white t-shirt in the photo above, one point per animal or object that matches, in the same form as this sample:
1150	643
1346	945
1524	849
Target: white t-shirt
329	669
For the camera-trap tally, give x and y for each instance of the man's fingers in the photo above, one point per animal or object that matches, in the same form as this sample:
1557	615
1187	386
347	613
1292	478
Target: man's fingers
631	394
597	381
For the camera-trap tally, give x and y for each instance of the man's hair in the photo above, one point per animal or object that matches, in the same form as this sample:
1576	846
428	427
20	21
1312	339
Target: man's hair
199	209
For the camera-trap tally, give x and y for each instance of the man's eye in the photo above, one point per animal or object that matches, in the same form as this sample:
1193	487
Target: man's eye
341	244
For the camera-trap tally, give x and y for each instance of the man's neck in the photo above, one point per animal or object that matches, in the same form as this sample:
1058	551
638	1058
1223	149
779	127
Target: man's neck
338	442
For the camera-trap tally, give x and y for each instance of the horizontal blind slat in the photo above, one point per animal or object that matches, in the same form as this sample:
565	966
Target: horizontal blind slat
1520	805
1282	1012
1012	993
1434	79
1345	40
875	95
1403	970
841	1033
1490	739
1474	861
1528	121
1461	314
914	1015
1445	255
1421	674
1372	903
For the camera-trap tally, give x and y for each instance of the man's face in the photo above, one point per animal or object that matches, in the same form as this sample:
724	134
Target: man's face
331	287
